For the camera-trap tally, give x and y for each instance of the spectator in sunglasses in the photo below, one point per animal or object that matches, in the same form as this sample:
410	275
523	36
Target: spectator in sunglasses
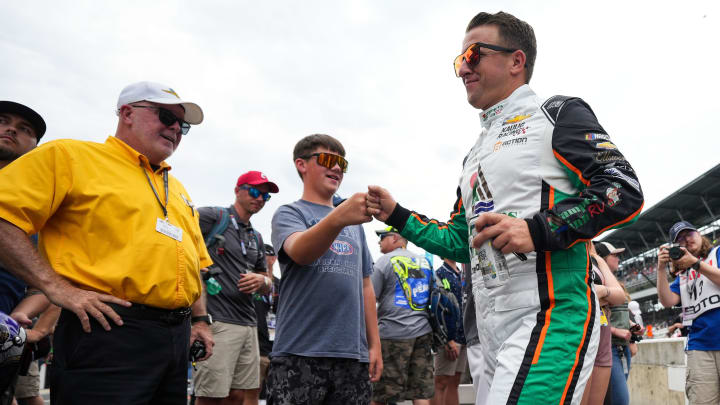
232	375
542	177
401	280
120	251
327	347
697	289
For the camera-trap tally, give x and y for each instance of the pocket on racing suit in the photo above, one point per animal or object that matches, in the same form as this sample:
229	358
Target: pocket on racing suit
515	312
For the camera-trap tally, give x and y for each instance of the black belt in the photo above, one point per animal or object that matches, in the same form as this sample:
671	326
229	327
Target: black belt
145	312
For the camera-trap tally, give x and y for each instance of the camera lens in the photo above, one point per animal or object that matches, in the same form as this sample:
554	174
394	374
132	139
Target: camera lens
675	252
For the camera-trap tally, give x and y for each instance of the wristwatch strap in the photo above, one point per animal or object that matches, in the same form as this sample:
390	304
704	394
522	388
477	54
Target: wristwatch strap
696	266
202	318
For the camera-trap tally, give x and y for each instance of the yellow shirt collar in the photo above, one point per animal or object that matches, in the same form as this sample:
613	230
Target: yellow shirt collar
132	155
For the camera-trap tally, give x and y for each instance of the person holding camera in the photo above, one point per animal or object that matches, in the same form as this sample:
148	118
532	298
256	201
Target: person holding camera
697	288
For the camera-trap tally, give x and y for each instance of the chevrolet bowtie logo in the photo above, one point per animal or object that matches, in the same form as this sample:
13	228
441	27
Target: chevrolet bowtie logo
517	118
171	91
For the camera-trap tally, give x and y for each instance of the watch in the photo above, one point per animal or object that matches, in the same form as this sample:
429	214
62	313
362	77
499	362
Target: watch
696	266
202	318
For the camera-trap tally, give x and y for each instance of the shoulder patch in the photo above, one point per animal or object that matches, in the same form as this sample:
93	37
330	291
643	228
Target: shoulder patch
552	106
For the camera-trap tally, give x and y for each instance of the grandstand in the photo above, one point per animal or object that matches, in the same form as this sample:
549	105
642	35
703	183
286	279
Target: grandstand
697	202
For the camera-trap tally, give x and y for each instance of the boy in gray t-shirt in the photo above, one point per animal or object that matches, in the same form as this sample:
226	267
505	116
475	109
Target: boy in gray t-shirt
327	347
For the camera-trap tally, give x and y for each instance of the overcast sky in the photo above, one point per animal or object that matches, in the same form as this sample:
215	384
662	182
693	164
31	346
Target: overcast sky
377	75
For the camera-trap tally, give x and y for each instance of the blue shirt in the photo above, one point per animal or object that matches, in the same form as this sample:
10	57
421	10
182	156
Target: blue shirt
456	284
705	329
12	289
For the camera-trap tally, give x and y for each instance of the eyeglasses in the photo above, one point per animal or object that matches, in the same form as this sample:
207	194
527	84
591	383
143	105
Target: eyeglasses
472	55
255	193
684	236
329	160
383	236
167	118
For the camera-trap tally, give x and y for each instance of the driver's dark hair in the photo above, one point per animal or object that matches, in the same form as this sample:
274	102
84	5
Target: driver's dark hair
514	33
307	145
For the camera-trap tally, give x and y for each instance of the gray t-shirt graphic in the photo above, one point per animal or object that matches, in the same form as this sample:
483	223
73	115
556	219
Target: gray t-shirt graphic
321	312
396	320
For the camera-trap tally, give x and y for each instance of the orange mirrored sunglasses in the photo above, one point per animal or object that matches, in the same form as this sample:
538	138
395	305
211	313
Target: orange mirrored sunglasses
329	160
472	55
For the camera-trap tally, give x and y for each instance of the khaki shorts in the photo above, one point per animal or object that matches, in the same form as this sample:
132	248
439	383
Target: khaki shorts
445	366
701	383
28	386
407	370
235	363
264	365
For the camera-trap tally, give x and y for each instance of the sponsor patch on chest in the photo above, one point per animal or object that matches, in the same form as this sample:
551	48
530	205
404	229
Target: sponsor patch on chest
342	248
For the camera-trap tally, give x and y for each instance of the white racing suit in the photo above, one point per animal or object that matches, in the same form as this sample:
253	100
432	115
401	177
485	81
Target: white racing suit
553	165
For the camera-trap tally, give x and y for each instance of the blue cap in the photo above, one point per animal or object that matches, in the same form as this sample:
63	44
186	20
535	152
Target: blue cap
679	227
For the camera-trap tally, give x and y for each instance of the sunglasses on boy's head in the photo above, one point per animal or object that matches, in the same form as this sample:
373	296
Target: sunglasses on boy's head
255	193
329	160
167	118
472	55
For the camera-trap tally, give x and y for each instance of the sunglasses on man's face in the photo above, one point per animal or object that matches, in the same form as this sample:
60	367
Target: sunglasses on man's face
167	118
685	236
472	55
329	160
255	193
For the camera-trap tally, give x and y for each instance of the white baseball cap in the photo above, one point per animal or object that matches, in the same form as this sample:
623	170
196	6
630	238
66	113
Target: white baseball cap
161	94
634	307
604	248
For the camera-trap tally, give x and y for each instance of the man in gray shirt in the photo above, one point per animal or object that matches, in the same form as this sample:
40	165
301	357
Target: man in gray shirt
401	280
232	375
326	347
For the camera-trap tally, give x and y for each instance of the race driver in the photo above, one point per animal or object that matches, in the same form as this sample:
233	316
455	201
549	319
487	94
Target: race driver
542	178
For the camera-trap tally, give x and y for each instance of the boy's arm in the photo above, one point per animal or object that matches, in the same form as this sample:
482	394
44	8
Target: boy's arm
34	303
371	328
306	246
45	324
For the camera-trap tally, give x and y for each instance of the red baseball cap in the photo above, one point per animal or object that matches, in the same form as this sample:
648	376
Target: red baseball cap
255	178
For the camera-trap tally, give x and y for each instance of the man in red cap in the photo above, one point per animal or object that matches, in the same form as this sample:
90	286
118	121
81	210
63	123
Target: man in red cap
232	375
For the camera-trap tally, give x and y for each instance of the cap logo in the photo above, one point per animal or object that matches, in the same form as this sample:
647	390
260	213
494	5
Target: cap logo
171	91
263	176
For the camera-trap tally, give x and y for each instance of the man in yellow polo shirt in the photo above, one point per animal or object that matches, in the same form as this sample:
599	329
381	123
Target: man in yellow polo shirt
119	239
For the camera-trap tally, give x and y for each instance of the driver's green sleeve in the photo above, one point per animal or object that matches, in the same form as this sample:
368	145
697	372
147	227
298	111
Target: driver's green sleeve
445	239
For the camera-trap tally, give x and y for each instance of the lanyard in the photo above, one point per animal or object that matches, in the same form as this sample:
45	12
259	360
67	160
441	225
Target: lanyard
157	197
242	241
